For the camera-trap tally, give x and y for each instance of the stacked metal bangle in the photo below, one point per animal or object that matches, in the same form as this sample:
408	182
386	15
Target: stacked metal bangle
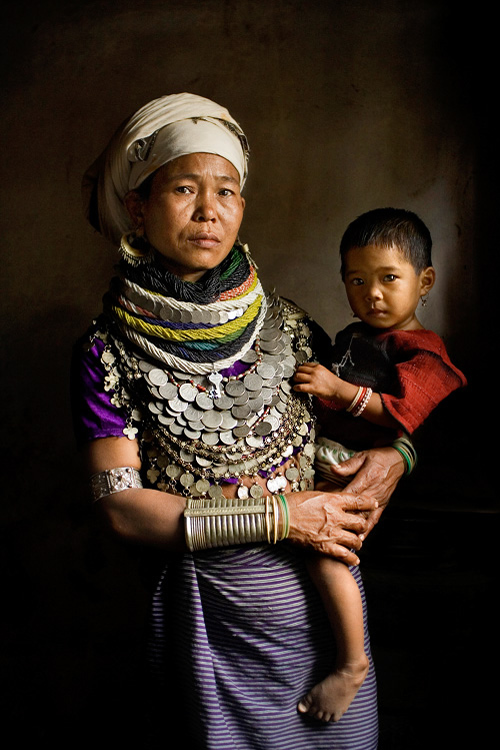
224	522
405	447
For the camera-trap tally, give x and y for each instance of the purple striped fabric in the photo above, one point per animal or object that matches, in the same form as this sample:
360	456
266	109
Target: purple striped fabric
244	635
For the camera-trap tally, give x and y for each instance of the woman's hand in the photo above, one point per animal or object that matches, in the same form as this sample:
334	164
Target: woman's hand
329	522
377	472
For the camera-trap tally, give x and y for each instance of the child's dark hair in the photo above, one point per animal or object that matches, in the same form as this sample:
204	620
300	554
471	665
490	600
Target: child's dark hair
390	227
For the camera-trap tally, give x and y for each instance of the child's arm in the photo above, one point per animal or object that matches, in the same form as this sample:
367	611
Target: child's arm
322	383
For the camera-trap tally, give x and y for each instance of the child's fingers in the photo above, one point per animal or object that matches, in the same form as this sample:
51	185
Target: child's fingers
307	367
302	377
304	388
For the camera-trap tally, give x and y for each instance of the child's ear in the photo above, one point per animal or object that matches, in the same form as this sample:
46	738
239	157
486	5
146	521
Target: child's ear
427	279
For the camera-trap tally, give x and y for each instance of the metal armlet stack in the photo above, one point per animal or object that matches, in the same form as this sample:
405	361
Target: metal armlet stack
223	522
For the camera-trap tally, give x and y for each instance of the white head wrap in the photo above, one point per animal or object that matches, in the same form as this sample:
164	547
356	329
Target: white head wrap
162	130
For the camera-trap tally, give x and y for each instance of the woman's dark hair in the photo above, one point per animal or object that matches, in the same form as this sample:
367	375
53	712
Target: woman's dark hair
144	189
390	227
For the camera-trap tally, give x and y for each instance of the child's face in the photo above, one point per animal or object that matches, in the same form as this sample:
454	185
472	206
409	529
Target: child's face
383	288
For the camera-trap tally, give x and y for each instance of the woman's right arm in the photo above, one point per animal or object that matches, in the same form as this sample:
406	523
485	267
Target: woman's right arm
137	515
323	521
318	520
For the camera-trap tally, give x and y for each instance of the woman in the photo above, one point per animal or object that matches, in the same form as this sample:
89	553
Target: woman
198	446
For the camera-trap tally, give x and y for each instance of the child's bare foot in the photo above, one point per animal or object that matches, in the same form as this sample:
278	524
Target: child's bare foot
330	698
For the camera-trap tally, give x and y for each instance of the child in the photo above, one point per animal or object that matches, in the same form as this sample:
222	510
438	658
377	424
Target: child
388	373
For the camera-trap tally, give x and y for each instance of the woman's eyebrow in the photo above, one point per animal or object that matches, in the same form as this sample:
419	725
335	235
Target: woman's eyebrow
196	176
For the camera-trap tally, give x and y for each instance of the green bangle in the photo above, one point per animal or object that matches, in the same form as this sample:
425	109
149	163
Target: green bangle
406	449
401	452
286	517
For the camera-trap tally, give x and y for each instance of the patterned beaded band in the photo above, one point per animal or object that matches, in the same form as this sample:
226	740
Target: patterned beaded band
223	522
405	447
114	480
360	401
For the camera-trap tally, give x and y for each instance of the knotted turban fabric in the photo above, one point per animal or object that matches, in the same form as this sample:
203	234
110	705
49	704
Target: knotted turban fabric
160	131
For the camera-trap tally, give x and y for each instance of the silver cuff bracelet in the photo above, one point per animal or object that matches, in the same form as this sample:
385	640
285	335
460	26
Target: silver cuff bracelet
114	480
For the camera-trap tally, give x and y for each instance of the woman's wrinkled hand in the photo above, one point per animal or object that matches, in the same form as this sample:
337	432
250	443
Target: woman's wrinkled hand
329	522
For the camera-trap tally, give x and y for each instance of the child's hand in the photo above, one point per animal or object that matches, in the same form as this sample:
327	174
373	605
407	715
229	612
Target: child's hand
317	380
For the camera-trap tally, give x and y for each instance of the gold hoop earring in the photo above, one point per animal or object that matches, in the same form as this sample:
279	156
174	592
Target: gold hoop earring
135	249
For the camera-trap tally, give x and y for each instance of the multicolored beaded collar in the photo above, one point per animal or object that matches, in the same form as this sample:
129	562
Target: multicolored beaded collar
197	330
206	386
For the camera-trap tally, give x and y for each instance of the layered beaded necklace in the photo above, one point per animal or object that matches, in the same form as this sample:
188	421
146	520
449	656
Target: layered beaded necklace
206	384
163	316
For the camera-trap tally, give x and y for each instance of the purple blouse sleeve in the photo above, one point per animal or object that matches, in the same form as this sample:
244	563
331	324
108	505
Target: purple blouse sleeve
94	416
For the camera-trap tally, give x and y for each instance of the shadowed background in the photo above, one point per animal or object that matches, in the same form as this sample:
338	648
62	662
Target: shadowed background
348	106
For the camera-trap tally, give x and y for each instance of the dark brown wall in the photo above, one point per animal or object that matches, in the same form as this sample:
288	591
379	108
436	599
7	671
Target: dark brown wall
347	105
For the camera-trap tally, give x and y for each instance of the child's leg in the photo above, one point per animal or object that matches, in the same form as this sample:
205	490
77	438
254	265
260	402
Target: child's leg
331	698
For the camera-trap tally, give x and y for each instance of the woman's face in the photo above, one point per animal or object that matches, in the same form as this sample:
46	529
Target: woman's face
193	213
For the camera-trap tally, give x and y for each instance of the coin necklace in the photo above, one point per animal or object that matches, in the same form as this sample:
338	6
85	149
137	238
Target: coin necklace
204	431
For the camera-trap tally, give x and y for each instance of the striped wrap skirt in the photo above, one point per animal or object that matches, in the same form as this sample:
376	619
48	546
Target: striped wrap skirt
237	638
